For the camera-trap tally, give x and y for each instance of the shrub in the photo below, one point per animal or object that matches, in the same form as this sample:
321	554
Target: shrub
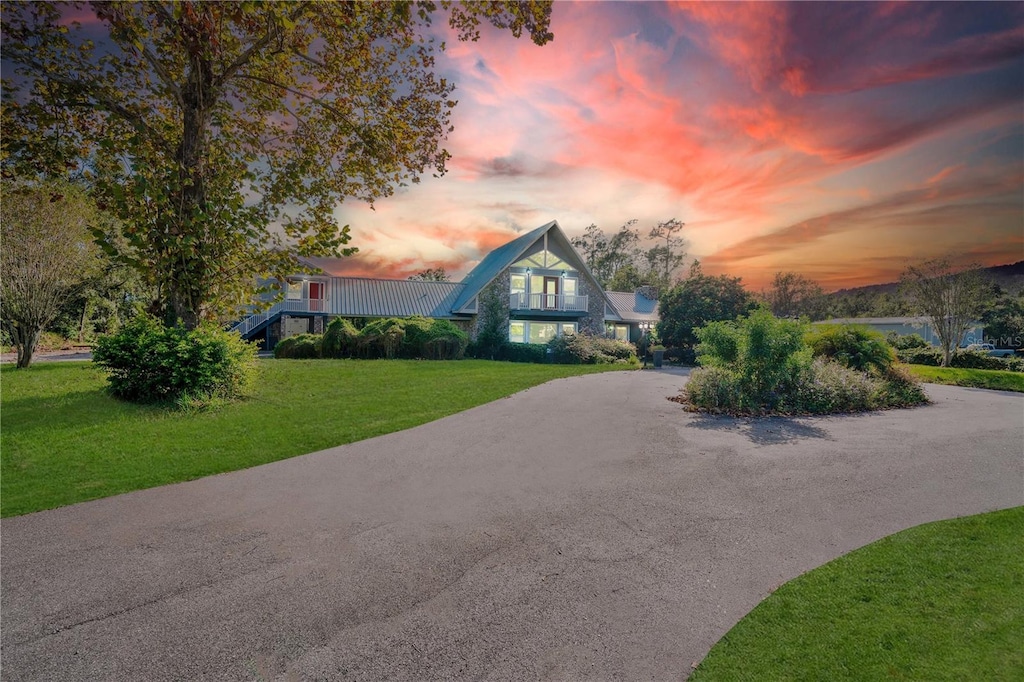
829	386
381	338
760	364
523	352
921	356
899	388
767	354
301	347
853	346
906	341
443	341
340	339
149	363
715	389
963	359
583	349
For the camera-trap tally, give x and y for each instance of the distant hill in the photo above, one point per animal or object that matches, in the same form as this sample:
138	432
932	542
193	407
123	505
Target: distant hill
1009	277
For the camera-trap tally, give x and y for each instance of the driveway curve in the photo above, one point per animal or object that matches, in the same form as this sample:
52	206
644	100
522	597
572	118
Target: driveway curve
587	528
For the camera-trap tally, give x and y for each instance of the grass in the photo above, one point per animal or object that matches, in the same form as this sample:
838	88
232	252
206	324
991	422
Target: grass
942	601
998	379
64	440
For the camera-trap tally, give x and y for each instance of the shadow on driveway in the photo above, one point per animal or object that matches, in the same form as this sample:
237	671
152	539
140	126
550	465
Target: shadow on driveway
762	430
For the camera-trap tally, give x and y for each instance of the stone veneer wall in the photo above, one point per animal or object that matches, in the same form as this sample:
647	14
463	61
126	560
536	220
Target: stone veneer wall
501	286
593	323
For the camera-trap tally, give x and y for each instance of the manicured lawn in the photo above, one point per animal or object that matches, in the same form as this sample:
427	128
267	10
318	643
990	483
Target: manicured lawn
63	440
976	378
942	601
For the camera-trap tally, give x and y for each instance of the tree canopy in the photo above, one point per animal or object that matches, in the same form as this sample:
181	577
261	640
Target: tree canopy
792	295
620	263
950	299
697	300
224	134
48	255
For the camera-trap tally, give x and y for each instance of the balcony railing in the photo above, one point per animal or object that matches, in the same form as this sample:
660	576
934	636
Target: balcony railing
300	305
554	302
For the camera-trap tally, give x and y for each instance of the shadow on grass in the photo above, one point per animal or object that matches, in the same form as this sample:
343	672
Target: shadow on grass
761	430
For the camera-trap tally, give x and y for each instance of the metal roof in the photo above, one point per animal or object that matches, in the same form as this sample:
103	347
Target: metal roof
366	297
633	307
496	261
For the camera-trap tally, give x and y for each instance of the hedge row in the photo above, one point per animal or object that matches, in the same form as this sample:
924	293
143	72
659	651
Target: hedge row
414	337
963	359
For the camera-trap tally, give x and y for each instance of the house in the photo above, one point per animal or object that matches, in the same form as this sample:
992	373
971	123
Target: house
538	285
910	325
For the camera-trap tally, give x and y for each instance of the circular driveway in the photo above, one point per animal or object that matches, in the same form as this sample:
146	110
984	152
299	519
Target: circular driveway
587	528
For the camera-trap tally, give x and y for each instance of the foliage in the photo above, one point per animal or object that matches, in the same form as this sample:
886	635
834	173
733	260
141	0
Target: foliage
66	440
524	352
696	301
205	125
431	275
999	380
950	299
938	602
906	341
965	359
492	333
761	364
47	256
1004	321
149	363
300	347
793	295
857	347
618	261
584	349
875	301
766	354
413	337
340	339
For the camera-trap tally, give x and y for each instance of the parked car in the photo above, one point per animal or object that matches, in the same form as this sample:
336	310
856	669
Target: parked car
991	350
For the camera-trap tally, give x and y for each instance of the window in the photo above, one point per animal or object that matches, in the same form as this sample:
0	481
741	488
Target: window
521	331
518	284
294	291
542	332
618	331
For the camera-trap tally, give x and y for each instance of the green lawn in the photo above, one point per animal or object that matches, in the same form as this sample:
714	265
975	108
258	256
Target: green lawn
63	440
942	601
976	378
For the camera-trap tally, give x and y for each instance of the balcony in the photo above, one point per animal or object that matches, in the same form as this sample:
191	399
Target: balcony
564	303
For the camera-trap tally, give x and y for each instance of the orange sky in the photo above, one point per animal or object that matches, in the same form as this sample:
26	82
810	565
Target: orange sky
839	140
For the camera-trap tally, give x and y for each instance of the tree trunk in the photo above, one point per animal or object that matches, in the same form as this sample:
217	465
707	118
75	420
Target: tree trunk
25	341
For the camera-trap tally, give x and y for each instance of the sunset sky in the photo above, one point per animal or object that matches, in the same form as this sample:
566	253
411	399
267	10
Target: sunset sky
837	140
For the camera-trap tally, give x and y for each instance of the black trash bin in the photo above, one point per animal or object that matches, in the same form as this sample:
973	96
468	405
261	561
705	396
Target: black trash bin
659	357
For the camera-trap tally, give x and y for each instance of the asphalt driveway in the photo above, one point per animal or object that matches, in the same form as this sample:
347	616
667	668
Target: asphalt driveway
583	529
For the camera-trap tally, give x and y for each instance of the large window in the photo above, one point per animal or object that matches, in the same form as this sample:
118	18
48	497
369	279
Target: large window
618	331
521	331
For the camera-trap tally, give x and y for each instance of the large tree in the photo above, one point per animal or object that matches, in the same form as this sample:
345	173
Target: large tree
792	295
697	300
620	263
951	299
48	255
224	134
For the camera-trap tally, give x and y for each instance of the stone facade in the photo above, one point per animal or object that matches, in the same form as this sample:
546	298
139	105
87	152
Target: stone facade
593	323
501	287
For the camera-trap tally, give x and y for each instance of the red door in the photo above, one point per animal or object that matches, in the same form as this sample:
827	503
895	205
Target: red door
316	297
